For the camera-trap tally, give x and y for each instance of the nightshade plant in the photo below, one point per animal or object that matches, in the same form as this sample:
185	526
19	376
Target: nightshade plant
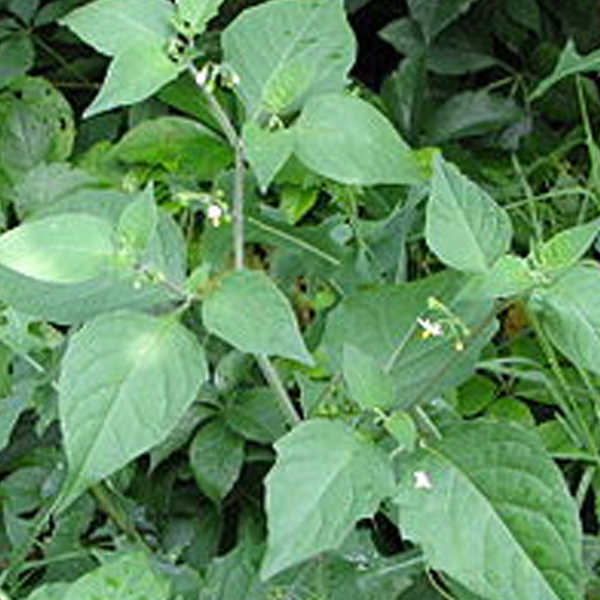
168	321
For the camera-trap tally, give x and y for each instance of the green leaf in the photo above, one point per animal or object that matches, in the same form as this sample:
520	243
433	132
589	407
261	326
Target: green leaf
567	247
45	184
136	33
127	379
66	248
36	126
248	311
326	478
465	228
526	13
234	576
267	151
569	63
402	428
433	17
287	51
256	416
499	520
180	145
511	275
49	591
469	114
216	458
112	26
367	382
197	13
129	577
138	223
10	410
382	323
348	140
119	285
133	76
570	315
17	55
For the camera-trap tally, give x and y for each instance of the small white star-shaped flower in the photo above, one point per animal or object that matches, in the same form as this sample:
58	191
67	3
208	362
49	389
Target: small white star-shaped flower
430	328
214	214
422	480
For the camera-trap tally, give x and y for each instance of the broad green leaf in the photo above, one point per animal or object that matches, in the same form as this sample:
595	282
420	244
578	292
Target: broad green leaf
315	244
402	91
180	145
216	458
129	577
348	140
47	183
235	576
137	224
510	275
112	26
48	591
570	314
326	477
435	16
405	36
17	55
197	413
166	251
525	12
382	323
247	310
367	382
469	114
66	248
255	415
118	286
133	76
197	13
127	379
465	228
569	63
36	126
567	247
286	51
267	151
490	509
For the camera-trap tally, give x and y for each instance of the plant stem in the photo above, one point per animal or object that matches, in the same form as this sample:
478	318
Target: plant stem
237	145
569	407
115	514
236	142
274	380
535	221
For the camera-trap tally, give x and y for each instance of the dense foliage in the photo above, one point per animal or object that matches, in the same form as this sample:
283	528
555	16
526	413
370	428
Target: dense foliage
299	300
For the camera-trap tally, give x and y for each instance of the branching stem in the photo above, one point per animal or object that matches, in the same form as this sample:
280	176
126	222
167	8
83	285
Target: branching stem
236	142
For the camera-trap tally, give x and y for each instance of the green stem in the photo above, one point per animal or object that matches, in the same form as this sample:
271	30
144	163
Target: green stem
274	380
115	514
568	405
529	195
237	144
9	578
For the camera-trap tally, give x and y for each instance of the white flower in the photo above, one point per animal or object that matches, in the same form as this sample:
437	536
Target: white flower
422	480
430	328
202	76
214	214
